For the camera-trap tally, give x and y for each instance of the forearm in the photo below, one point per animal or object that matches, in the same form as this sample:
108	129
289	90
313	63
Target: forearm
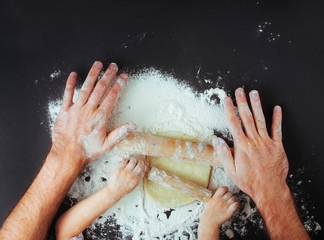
208	234
280	216
81	215
34	213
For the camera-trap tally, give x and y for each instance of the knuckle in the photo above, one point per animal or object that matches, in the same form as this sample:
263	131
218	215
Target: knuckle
108	75
98	92
260	121
69	85
69	89
101	113
112	95
224	189
99	89
101	85
85	86
113	92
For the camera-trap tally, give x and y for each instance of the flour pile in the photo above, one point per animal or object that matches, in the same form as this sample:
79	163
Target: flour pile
156	103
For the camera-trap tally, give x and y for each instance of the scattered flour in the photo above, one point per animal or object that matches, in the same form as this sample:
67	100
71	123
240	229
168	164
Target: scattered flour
156	103
55	74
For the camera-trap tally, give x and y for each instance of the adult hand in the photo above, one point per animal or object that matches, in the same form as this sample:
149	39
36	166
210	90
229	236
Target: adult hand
260	164
79	136
81	127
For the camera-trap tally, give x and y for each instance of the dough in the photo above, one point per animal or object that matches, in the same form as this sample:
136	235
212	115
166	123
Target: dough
194	172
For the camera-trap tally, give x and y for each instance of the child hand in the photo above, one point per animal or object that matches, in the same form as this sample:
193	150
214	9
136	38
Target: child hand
127	175
218	210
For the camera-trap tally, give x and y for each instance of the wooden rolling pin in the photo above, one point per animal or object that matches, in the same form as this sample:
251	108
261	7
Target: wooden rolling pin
169	148
179	184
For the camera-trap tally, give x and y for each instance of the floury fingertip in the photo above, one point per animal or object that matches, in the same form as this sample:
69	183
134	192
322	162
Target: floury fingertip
216	142
131	127
73	74
240	91
97	64
277	108
113	66
254	94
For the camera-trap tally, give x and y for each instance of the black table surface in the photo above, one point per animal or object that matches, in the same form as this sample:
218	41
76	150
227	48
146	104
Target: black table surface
272	46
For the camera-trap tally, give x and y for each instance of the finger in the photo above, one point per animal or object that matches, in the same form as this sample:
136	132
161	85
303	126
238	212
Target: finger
111	98
147	165
102	85
69	91
89	83
233	122
220	192
233	207
227	196
245	113
139	169
276	124
231	200
131	164
258	114
117	135
224	154
123	163
99	121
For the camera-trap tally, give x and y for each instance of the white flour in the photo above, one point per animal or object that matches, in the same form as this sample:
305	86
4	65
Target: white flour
157	103
55	74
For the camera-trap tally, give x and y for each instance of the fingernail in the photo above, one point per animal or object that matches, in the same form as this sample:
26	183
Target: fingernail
124	75
73	74
277	108
97	64
254	94
240	91
122	79
216	142
131	127
113	66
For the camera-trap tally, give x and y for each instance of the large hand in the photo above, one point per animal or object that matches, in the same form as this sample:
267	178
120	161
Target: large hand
260	164
80	129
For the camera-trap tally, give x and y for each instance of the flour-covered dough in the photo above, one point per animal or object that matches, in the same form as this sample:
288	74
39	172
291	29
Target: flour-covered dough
197	173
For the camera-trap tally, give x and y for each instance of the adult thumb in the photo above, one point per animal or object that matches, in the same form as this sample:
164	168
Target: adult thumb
224	154
118	134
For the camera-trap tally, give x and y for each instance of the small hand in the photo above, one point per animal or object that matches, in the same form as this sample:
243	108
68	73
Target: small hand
218	210
127	175
80	129
260	164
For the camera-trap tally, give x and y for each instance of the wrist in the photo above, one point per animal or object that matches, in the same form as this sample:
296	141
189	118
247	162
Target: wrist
66	159
279	214
275	203
275	193
113	193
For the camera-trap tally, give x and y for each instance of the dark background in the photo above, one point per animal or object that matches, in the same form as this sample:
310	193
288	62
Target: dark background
220	39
